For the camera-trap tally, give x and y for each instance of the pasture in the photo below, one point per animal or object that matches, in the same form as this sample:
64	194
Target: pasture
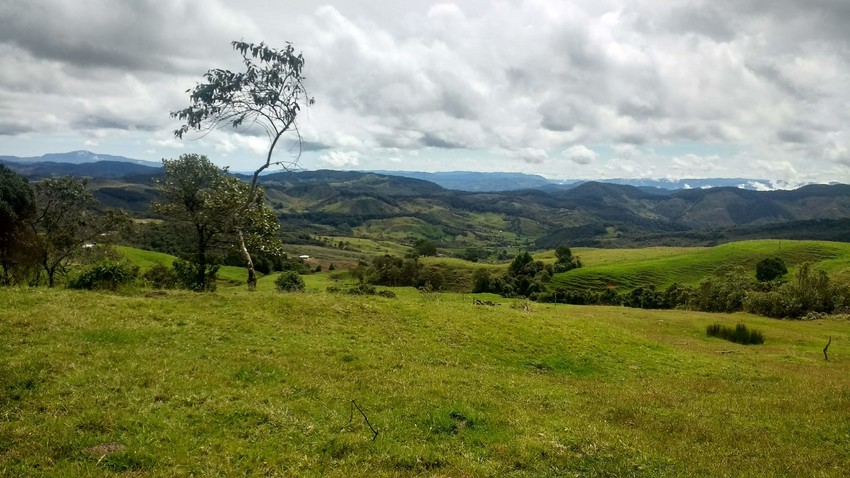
238	383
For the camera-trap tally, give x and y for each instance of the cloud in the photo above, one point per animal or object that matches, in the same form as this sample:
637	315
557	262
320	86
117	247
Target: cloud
530	155
341	159
580	154
754	79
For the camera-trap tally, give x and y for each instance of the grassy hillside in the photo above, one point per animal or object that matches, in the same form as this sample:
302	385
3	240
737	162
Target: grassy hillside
629	268
147	259
261	384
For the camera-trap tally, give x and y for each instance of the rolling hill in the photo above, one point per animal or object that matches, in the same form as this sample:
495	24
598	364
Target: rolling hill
380	207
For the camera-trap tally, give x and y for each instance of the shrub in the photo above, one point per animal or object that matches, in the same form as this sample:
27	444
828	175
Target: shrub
740	334
104	275
289	281
160	276
770	269
187	276
723	292
811	292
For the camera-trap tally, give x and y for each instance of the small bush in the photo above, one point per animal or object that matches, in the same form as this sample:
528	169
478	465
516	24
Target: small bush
160	276
363	289
289	281
387	293
740	334
187	276
104	275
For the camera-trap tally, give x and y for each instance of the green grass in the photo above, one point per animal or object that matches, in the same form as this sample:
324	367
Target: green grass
260	384
629	268
231	275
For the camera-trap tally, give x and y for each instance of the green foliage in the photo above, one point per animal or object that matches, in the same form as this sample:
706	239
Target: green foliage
740	334
565	260
424	247
481	281
289	281
723	292
192	277
69	217
104	275
810	292
770	269
267	95
217	210
160	276
19	251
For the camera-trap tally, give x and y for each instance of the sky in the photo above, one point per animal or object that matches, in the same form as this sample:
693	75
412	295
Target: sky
592	89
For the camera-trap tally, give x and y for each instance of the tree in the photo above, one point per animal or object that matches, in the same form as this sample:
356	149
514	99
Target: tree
68	217
770	269
565	259
423	247
211	204
267	95
17	240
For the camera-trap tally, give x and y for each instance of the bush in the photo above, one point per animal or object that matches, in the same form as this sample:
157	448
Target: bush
187	276
289	281
810	293
770	269
104	275
723	292
160	277
740	334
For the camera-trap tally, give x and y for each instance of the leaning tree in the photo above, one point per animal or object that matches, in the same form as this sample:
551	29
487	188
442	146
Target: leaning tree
210	205
268	95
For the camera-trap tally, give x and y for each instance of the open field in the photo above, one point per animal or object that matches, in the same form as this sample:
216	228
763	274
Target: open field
260	384
662	266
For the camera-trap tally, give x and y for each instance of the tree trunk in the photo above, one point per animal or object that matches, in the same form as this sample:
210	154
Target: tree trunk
201	279
249	263
51	272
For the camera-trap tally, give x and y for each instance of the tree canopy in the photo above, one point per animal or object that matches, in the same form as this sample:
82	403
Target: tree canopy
268	95
17	242
210	203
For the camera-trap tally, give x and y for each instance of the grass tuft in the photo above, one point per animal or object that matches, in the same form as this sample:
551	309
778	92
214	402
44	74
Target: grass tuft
740	334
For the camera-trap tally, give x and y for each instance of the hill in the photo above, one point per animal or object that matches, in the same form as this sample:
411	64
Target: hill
382	207
77	157
625	269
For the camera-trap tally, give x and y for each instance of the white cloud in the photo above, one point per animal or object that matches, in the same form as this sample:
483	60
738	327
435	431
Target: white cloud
662	86
580	154
341	159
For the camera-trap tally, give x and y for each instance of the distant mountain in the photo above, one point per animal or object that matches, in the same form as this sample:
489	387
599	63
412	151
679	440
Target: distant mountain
492	182
477	181
78	157
380	206
99	169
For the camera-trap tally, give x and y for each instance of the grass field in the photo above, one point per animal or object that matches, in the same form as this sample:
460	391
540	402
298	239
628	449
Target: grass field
662	266
235	383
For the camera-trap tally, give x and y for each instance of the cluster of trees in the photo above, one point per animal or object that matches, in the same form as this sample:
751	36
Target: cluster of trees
49	225
729	290
218	212
394	271
525	277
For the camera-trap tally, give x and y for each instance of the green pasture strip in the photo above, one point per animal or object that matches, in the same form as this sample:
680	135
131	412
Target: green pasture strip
629	268
239	383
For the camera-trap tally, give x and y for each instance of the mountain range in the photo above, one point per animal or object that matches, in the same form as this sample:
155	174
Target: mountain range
383	206
87	163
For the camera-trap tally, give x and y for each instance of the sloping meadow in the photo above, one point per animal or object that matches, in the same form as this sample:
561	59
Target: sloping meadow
265	384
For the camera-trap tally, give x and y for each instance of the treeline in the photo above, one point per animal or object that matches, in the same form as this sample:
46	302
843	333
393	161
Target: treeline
807	295
47	226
